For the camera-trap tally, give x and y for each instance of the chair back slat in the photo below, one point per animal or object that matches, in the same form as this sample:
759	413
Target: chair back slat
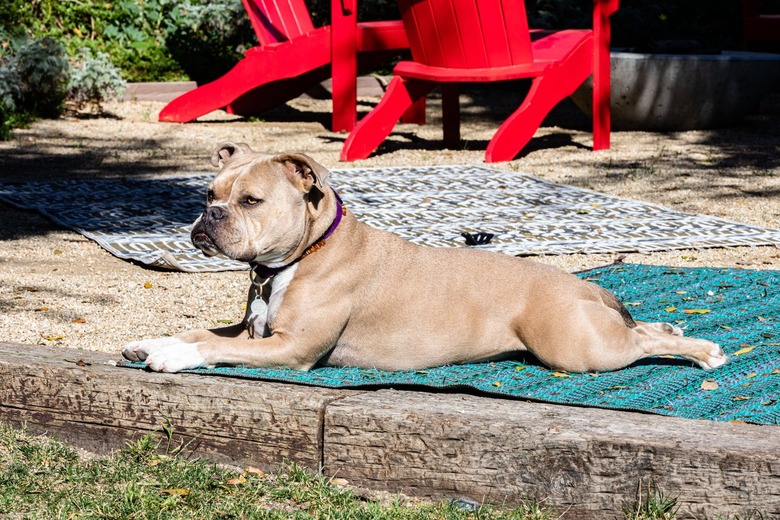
467	34
276	21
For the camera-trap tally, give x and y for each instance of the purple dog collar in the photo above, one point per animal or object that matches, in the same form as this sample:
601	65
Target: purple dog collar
263	272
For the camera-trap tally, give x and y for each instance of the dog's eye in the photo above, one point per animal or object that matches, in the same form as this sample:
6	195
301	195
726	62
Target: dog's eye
251	201
210	196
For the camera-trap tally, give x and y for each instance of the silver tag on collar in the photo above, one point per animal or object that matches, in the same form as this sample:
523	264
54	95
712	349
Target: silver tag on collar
259	308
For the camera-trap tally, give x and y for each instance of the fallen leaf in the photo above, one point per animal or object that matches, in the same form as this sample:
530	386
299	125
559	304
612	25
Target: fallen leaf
79	320
254	471
743	351
52	338
341	482
680	292
751	376
724	327
709	384
670	309
226	322
41	309
497	383
176	491
520	367
696	311
776	371
83	363
57	252
147	285
736	421
236	481
767	335
561	374
741	397
632	304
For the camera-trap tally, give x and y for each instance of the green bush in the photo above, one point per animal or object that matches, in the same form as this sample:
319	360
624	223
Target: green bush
32	83
94	79
207	39
10	93
149	40
43	69
36	80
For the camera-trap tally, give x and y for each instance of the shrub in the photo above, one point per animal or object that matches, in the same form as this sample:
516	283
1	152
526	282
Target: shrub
94	79
207	39
42	68
10	94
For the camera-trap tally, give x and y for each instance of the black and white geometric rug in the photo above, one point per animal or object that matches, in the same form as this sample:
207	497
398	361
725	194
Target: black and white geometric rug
148	220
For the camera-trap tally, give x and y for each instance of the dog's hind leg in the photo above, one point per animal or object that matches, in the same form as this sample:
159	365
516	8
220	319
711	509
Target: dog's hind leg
661	339
598	338
662	326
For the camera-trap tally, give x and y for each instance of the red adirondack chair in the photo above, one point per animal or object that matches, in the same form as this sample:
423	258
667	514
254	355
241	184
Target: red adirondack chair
462	41
292	57
760	31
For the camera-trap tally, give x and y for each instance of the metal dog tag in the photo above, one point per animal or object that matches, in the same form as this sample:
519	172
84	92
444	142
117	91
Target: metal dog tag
259	308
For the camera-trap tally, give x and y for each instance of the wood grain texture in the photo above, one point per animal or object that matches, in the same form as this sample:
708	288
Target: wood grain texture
101	407
587	463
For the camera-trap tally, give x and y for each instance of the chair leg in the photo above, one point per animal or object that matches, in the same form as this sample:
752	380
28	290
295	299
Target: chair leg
601	82
376	126
546	92
450	108
415	114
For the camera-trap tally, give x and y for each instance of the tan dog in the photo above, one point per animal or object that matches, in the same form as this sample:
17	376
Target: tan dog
330	290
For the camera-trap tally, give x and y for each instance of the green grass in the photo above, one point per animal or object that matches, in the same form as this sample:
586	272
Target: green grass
44	478
151	478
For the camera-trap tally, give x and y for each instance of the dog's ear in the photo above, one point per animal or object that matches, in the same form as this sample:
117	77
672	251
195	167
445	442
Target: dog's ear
225	151
303	171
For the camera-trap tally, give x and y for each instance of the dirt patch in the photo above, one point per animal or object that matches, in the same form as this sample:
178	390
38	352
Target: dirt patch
58	288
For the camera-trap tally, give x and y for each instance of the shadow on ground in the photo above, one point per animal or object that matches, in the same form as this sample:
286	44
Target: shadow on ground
57	150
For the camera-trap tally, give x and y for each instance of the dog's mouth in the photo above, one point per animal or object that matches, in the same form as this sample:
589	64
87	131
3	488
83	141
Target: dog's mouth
204	242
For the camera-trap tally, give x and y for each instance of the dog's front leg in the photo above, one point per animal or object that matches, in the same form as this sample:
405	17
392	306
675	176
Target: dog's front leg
182	346
181	350
276	350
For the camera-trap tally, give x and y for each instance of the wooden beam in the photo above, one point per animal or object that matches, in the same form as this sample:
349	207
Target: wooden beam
585	462
76	396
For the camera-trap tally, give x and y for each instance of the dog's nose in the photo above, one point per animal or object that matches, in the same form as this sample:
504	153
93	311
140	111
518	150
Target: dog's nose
216	213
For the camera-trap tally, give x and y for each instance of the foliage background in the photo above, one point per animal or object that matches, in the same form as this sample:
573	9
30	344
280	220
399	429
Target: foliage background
159	40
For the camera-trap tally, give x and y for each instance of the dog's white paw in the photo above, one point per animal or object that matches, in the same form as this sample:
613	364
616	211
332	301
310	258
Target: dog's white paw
140	350
715	359
175	357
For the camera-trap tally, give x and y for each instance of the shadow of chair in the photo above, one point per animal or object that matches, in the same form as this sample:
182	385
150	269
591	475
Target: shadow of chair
467	41
292	56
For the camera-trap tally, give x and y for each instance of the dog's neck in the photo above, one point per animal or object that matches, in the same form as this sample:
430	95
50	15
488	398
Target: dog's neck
263	272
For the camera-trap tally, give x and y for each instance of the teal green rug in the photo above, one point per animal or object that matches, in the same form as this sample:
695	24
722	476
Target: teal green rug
739	309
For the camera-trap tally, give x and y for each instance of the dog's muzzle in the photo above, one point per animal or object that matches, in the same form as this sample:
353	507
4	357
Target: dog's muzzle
204	229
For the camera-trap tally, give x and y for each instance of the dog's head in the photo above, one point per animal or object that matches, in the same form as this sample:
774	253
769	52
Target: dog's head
259	206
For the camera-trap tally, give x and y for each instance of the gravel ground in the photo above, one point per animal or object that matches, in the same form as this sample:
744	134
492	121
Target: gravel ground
58	288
